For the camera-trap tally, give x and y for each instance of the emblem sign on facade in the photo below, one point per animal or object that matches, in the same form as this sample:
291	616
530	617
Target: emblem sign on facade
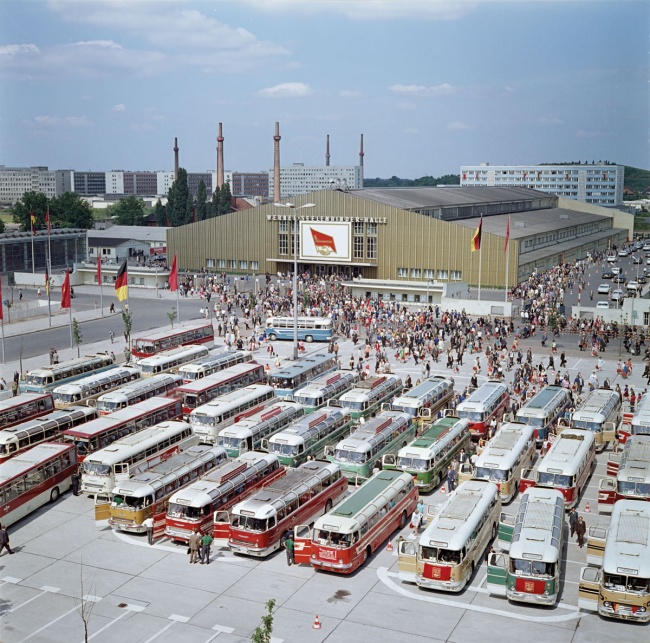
325	241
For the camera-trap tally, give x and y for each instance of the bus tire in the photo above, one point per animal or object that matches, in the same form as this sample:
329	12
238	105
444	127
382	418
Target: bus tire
366	554
328	506
54	494
273	337
494	530
309	339
402	520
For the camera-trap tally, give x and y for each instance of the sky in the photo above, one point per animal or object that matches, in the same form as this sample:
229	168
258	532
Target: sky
431	84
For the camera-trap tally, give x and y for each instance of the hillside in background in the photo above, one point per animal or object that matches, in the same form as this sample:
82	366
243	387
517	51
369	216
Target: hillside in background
636	180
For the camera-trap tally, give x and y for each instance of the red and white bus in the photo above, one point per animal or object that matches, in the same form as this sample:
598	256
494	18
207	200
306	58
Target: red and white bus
194	394
187	333
25	407
156	386
628	474
213	363
566	466
488	402
195	506
34	478
343	539
258	523
637	423
99	433
47	428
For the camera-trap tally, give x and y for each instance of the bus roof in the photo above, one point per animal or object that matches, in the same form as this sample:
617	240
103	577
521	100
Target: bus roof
539	525
23	398
368	389
415	396
55	416
452	527
503	450
200	350
215	379
635	460
23	462
438	434
567	452
483	395
180	328
547	399
367	434
303	365
249	425
628	539
215	406
141	386
100	358
96	378
217	358
296	432
599	402
321	383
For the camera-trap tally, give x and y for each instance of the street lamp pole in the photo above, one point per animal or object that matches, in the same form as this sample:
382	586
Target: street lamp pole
295	268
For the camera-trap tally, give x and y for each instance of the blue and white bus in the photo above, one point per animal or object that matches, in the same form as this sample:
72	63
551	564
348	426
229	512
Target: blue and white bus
290	378
310	329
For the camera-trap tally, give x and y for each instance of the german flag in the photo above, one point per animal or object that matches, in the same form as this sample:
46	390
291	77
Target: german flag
476	239
122	283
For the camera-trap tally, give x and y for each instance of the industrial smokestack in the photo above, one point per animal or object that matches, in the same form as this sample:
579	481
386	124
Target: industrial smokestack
327	152
361	152
276	164
220	158
175	158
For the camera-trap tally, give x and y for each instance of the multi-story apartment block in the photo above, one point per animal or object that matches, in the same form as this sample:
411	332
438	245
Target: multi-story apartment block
300	179
15	181
248	184
600	184
88	183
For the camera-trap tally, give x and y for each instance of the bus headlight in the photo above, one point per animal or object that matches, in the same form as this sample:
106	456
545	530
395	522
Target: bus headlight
640	609
607	604
340	561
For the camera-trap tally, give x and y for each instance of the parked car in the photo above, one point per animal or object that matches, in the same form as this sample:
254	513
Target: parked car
619	279
611	258
637	260
646	247
616	270
623	253
604	289
641	279
602	304
618	295
607	274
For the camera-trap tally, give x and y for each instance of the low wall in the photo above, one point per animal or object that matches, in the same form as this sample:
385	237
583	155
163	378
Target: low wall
475	307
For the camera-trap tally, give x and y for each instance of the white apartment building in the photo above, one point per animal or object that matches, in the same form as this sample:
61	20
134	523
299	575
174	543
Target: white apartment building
599	184
164	181
300	179
15	181
115	182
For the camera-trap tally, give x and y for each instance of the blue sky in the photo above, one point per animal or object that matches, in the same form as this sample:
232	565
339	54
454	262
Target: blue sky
432	84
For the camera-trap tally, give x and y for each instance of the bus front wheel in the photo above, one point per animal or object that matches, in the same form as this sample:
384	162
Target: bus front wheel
402	520
309	339
328	506
54	494
273	337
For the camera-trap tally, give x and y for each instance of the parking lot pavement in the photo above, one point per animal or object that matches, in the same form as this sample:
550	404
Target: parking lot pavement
139	593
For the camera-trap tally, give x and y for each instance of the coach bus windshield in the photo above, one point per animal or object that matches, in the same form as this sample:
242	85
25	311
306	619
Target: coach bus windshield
486	473
283	449
248	523
181	511
413	464
439	555
555	480
523	567
96	468
342	455
472	416
634	488
594	427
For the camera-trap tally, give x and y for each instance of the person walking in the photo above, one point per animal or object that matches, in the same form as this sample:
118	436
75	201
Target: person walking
194	546
111	334
289	547
573	521
451	479
147	523
581	530
76	483
206	542
4	540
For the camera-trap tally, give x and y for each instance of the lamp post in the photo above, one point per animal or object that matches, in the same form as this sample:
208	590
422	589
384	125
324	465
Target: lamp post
295	268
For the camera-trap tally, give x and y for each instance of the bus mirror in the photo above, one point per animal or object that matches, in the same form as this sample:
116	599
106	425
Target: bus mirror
328	451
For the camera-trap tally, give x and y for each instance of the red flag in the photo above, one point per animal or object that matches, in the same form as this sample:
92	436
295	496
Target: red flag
99	270
65	291
173	276
505	249
47	218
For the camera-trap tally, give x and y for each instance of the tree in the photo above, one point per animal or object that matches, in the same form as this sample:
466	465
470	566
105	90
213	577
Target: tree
161	216
70	211
77	337
35	202
180	211
172	315
129	211
127	318
225	199
213	210
2	225
262	633
201	202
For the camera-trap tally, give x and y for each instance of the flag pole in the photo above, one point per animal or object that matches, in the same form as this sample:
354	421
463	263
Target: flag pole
178	305
507	269
2	323
33	263
70	311
48	272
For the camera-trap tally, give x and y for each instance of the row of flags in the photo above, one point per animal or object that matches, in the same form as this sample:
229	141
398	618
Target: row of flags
476	239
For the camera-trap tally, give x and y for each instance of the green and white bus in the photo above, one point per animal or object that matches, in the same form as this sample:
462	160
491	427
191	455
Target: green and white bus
427	457
309	436
358	454
324	388
425	400
530	572
366	399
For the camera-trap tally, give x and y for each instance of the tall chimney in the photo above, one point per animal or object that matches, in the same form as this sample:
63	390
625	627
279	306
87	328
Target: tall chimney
276	164
327	152
361	153
220	158
175	158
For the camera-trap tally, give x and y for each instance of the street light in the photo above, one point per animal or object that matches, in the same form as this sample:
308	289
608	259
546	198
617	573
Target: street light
295	268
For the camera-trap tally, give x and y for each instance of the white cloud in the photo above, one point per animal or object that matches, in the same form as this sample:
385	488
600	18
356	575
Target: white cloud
119	108
98	43
545	120
421	90
15	50
587	133
458	126
62	121
142	127
348	93
286	90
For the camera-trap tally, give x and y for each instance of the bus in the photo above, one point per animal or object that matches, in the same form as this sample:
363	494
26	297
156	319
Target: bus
307	438
534	538
137	392
213	363
256	525
170	361
310	329
24	407
544	410
446	554
319	391
425	400
290	378
44	380
599	414
487	403
628	474
146	495
639	424
358	454
47	428
105	430
344	538
133	454
87	389
195	506
368	396
34	478
566	466
506	454
209	419
247	434
429	455
199	392
186	333
620	586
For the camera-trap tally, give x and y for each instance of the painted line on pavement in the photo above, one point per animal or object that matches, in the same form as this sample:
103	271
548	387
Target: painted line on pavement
174	618
44	590
11	579
384	576
127	609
